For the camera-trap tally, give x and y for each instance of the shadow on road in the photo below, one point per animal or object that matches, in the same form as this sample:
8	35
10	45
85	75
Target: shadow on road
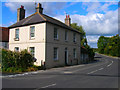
102	75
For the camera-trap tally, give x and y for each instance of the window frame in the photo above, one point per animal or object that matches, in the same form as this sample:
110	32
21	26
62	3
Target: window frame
32	37
66	35
32	53
74	53
56	34
55	54
16	49
74	37
17	34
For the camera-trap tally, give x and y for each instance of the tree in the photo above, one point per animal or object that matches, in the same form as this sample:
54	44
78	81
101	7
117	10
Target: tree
102	43
109	45
79	28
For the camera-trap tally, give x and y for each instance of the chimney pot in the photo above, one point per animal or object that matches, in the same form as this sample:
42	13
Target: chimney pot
39	8
67	20
22	6
68	16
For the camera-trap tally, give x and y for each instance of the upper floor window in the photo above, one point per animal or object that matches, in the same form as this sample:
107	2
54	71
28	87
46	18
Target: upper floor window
74	37
16	34
55	53
32	50
66	36
74	53
16	49
55	33
32	31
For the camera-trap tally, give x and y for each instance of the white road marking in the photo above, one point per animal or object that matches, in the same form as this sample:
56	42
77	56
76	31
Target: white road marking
110	64
95	71
92	72
67	72
101	69
49	85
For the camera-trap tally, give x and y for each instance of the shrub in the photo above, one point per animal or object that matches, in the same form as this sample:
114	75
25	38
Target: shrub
16	61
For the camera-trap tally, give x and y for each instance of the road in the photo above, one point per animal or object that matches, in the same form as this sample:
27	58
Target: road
101	74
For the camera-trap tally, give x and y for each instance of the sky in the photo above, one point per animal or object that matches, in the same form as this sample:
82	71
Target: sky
96	18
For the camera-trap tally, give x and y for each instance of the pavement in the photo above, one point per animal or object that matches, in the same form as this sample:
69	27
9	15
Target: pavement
100	74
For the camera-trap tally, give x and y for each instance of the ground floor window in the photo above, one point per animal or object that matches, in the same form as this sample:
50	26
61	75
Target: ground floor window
32	50
55	53
74	53
16	49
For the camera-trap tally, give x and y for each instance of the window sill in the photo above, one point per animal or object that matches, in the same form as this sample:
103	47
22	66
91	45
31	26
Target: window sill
55	60
32	38
75	42
66	40
56	39
16	39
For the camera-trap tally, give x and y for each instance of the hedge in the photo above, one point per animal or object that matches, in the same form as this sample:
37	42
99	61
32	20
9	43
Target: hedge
17	61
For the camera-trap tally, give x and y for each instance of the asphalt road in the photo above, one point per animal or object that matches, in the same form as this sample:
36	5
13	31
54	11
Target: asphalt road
101	74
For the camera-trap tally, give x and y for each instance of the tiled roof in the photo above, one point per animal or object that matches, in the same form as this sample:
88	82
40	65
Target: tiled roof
39	18
4	34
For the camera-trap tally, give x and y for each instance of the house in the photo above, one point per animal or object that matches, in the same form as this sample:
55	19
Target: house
50	41
4	37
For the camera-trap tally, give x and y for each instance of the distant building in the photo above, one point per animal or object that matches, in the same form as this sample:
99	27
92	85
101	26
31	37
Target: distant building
50	41
4	37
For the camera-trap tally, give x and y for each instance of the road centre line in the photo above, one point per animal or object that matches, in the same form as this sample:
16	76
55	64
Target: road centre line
49	85
101	69
110	64
95	71
92	72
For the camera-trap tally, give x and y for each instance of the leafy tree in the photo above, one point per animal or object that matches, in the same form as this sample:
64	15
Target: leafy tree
79	28
109	45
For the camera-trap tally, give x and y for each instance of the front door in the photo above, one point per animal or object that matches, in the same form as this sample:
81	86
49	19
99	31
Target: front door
66	56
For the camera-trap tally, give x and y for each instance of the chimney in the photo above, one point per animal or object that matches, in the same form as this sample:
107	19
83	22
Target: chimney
67	20
20	13
39	8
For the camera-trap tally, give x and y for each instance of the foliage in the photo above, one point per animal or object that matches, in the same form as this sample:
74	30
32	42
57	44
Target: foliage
79	28
109	45
16	61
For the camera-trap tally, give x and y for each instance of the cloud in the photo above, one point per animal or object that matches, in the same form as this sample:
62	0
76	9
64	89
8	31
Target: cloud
96	23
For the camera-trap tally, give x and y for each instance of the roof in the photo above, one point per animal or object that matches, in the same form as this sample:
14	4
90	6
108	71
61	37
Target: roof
4	36
40	18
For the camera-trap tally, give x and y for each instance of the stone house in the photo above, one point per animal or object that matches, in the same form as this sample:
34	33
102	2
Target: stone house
49	40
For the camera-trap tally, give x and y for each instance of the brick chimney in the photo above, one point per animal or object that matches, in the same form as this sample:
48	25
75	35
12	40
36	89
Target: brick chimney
39	8
20	13
67	20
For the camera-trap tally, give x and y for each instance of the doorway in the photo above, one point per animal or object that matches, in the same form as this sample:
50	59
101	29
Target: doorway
66	56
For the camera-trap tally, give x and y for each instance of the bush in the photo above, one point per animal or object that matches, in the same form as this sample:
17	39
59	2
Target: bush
16	61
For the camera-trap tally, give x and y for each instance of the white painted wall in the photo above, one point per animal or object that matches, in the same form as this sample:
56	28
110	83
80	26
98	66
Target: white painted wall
25	42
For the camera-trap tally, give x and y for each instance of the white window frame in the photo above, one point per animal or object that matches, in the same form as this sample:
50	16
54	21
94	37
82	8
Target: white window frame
55	34
16	49
55	57
74	53
31	52
17	38
32	37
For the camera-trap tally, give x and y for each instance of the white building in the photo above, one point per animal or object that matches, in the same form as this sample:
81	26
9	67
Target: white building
48	39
